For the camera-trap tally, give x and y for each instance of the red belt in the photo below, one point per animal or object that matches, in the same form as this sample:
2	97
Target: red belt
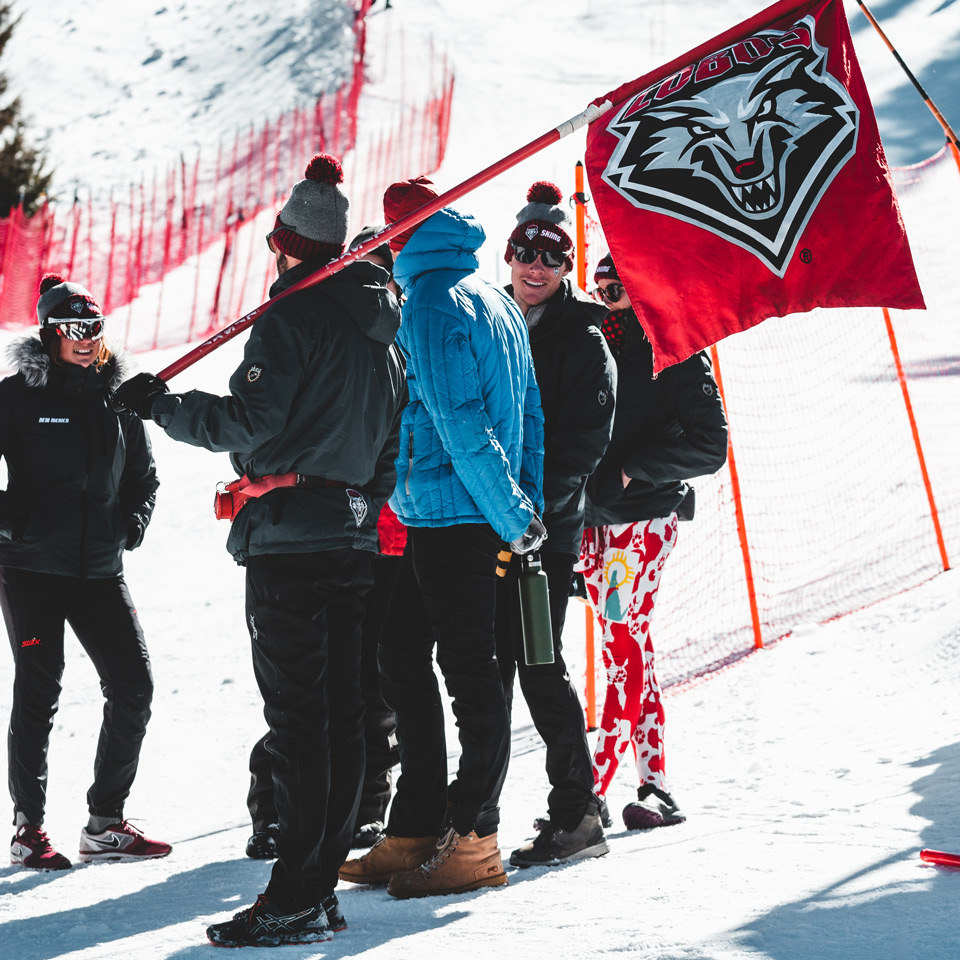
230	497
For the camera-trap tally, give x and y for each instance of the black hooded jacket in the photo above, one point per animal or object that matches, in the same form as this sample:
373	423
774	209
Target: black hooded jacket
319	393
577	378
81	481
666	432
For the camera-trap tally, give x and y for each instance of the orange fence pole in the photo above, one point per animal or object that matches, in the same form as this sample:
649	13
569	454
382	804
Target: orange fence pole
580	200
952	140
738	506
916	439
590	652
590	693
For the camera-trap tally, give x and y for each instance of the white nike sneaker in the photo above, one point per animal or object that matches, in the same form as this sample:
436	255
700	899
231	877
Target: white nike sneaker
121	842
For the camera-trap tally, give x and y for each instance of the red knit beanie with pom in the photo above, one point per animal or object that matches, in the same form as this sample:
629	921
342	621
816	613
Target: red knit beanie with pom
402	198
313	222
542	223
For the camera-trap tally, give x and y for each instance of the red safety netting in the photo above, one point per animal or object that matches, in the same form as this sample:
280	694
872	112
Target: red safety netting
171	257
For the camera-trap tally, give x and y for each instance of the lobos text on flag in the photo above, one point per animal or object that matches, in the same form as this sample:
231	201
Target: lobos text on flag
746	179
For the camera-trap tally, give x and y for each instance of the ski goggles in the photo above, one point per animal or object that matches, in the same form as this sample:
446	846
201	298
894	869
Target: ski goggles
527	255
79	329
612	292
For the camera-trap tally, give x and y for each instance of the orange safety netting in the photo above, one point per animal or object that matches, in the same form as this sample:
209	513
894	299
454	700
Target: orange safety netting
834	508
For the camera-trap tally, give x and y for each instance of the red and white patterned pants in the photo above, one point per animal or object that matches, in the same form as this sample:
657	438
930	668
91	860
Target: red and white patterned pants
621	566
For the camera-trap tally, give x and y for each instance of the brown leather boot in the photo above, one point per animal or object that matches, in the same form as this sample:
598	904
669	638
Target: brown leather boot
389	855
461	863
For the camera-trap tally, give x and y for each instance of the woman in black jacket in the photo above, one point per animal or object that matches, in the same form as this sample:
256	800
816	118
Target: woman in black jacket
665	431
81	486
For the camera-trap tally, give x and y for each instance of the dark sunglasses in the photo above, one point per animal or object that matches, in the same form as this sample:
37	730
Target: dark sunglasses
79	329
612	292
528	255
277	226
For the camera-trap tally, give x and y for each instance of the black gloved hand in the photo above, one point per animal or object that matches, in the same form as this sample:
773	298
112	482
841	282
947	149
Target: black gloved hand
531	539
137	394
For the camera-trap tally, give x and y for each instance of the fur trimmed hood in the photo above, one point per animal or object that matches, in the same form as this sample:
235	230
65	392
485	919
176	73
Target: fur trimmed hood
27	356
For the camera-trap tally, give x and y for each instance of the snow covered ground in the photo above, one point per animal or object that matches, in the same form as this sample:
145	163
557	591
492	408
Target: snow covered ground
812	772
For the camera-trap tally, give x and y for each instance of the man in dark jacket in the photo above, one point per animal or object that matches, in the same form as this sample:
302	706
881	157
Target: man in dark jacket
577	380
315	403
380	723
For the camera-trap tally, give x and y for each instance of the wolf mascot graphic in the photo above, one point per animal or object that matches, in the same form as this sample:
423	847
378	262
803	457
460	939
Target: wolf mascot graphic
742	143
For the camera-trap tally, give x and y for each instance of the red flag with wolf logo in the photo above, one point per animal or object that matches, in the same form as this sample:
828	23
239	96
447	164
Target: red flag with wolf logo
746	180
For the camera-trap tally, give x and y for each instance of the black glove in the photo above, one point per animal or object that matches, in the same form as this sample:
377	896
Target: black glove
531	538
137	394
134	535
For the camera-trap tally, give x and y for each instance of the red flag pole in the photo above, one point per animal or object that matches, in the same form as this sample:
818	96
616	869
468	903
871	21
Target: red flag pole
947	129
593	111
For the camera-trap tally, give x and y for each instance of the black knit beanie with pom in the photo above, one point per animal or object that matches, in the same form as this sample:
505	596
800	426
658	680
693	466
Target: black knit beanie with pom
62	300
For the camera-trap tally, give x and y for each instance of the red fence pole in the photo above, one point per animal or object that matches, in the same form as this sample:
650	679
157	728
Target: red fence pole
108	286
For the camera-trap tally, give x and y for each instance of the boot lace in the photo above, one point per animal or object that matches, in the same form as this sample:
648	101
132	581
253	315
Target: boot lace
445	849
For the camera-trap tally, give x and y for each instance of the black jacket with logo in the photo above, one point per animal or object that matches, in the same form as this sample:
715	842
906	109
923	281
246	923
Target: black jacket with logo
319	392
81	481
577	378
666	432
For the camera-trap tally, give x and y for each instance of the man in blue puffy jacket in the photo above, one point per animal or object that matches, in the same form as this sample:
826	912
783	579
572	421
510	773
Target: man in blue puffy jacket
469	482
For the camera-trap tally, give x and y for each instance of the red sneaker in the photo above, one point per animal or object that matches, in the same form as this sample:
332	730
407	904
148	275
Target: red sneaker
30	847
120	842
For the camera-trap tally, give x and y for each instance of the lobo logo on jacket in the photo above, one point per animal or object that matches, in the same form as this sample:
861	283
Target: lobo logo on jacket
743	143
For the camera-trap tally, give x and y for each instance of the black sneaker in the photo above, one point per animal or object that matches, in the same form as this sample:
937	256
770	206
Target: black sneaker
331	907
606	821
653	808
542	824
554	845
368	834
263	844
263	925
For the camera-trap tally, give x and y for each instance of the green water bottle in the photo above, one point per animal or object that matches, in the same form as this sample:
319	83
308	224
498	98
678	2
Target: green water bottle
535	612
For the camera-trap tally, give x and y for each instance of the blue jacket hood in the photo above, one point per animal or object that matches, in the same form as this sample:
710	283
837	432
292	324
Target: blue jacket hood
448	240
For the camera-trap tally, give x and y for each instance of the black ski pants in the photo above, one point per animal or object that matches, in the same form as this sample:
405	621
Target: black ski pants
304	614
550	695
36	606
379	721
445	597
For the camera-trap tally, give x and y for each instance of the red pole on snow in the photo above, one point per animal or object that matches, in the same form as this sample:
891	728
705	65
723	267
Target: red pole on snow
940	858
401	226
